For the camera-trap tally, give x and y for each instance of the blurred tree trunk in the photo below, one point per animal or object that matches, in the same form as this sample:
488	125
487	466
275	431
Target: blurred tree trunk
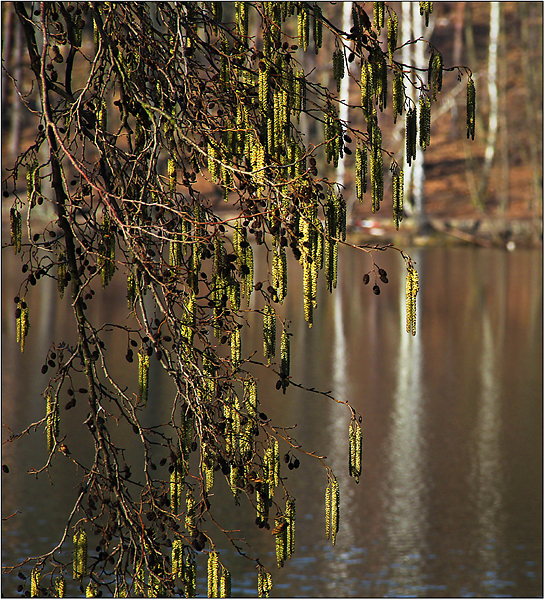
490	150
343	113
531	20
412	28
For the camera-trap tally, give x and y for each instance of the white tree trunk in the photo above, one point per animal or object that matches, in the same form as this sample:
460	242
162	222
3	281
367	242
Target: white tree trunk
492	96
420	62
345	97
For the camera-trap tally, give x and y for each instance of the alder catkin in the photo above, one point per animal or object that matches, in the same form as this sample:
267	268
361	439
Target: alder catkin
52	411
392	35
425	120
470	108
398	94
317	27
378	15
23	323
213	575
411	292
35	576
435	74
410	135
60	587
355	450
143	376
16	229
397	196
269	332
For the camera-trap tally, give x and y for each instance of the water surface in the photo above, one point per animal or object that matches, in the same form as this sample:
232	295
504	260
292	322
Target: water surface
449	502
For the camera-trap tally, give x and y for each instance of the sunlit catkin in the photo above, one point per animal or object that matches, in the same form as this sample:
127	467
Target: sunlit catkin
332	504
470	108
303	27
225	583
60	587
176	486
80	555
411	292
23	323
236	351
398	94
397	196
392	35
143	377
91	590
290	518
355	450
424	120
281	550
177	559
378	14
52	409
213	575
426	8
35	576
285	356
269	332
190	512
360	166
264	583
241	9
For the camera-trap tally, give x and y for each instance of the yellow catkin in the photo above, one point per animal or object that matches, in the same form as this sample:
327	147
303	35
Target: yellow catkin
190	512
52	409
269	332
392	35
23	324
143	376
236	352
303	27
281	541
91	591
225	583
398	97
285	356
264	583
176	485
378	14
332	504
80	555
213	575
355	449
411	292
35	576
60	587
424	120
290	517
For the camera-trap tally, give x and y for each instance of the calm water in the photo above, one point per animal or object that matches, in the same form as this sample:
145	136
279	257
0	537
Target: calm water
449	503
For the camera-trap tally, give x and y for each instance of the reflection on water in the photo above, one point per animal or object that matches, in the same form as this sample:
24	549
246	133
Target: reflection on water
406	480
450	498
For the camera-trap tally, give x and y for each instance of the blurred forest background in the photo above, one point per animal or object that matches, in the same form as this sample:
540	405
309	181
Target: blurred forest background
492	186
